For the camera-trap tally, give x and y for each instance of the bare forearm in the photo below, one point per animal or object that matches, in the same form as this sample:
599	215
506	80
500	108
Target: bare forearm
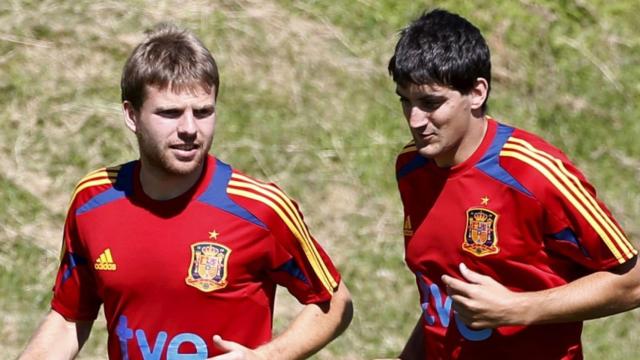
313	328
593	296
482	302
57	338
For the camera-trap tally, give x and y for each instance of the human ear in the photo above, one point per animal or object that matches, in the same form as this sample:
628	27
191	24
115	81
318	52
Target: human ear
130	116
479	93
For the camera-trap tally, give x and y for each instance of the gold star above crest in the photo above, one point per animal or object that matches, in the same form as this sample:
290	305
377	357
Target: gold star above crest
485	200
213	235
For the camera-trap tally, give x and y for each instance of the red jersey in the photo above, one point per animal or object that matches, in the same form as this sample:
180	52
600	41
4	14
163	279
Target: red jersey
517	210
173	273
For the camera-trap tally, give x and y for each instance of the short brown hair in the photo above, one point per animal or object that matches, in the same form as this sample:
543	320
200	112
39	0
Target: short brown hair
168	57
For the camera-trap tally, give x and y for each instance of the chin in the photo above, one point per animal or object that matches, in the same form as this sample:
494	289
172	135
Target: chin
184	168
168	164
177	167
181	170
428	152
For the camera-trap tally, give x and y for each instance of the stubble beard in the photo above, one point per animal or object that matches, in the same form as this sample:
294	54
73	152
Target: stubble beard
160	160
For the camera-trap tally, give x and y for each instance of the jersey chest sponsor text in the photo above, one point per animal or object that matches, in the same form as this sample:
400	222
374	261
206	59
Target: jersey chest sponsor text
438	302
152	349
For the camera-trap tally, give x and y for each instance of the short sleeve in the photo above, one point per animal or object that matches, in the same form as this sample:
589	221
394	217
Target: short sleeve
577	224
295	260
298	262
75	292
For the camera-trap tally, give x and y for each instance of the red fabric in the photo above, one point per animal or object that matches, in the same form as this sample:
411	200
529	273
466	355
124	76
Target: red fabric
150	243
521	233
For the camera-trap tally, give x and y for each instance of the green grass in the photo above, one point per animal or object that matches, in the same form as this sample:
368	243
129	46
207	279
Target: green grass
25	269
305	101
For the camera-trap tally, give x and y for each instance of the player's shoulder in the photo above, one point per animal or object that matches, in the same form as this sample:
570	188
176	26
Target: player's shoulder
540	167
241	180
264	199
527	149
100	180
408	160
532	141
408	152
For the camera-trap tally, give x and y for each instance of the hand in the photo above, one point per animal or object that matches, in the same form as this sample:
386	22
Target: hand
234	351
482	302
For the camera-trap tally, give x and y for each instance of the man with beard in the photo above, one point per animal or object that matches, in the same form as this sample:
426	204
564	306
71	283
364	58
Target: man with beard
183	251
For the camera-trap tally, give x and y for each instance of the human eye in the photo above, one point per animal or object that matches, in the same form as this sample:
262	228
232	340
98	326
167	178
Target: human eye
431	104
169	113
203	112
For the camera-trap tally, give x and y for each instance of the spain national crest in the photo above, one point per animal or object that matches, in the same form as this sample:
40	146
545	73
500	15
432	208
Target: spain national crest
481	238
208	268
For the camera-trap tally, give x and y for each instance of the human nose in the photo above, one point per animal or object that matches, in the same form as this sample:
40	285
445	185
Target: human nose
187	123
417	117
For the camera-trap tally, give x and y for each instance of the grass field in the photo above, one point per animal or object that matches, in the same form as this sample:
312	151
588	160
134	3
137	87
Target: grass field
305	101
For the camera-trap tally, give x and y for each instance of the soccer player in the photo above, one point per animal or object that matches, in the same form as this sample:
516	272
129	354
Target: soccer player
510	247
184	251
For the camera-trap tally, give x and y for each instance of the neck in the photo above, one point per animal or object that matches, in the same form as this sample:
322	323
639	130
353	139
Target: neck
161	185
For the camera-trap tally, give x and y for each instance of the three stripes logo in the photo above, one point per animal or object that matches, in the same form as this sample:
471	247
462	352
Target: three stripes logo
105	261
271	196
575	193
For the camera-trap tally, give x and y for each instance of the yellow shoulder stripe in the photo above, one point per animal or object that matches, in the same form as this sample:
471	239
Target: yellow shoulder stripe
411	146
286	210
274	198
98	177
63	248
102	176
573	190
583	193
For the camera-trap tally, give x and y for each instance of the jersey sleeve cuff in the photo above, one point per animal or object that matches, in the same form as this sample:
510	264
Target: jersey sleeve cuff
321	297
70	314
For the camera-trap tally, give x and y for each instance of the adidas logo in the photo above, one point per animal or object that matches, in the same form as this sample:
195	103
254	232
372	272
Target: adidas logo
105	261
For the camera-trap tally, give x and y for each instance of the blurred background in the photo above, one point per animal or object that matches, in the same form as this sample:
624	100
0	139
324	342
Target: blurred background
305	101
